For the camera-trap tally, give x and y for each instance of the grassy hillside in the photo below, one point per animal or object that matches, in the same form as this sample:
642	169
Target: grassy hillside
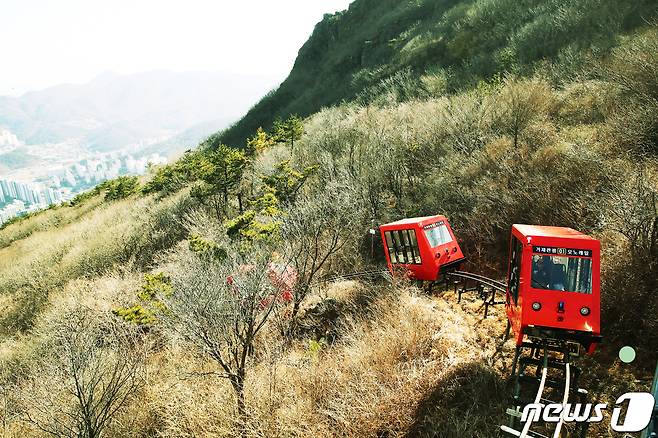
443	46
168	300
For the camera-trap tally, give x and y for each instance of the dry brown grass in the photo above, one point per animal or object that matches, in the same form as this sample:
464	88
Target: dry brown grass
412	367
47	219
409	365
20	355
125	233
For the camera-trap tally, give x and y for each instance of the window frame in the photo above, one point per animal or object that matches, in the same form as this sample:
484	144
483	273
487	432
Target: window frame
402	246
515	261
392	255
582	266
429	229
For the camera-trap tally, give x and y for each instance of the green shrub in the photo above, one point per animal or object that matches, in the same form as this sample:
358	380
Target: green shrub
206	247
249	226
165	180
81	198
154	289
120	188
169	179
286	181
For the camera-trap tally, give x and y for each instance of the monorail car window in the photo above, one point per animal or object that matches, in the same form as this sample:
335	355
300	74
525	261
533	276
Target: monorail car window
402	246
407	246
391	247
414	246
438	234
569	274
399	247
515	268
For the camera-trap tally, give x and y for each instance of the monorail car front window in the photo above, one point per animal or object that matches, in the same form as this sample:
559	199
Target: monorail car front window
402	247
570	274
438	234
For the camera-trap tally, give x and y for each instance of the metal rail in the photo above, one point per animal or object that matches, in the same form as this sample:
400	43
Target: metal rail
539	398
565	399
495	284
485	287
353	275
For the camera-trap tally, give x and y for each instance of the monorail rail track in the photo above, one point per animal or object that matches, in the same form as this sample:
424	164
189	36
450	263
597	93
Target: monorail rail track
374	273
566	380
485	287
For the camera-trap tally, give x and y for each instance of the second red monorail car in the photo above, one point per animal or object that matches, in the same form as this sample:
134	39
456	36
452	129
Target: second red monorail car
553	287
424	247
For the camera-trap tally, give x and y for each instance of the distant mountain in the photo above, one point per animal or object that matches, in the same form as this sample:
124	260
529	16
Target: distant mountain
113	111
185	140
16	159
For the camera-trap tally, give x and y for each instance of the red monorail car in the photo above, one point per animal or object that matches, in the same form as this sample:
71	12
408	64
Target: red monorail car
422	246
553	285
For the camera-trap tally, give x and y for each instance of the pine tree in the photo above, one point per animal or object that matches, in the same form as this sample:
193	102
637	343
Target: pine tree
288	131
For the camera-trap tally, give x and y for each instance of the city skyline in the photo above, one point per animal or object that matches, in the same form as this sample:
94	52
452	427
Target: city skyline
18	197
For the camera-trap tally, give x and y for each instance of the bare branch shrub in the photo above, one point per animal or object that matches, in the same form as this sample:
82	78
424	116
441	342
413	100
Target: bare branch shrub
631	268
633	69
519	103
315	230
91	366
220	307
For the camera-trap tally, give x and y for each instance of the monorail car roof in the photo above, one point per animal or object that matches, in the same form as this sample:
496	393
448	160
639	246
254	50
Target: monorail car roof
415	220
547	231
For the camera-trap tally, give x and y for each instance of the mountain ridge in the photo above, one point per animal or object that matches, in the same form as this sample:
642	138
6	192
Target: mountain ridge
457	42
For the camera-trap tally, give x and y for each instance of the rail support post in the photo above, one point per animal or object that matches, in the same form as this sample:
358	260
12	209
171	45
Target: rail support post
517	352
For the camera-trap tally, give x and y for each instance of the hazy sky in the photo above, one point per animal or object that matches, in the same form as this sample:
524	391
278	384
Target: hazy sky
48	42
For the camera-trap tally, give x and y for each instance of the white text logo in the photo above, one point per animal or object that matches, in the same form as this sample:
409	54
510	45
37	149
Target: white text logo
638	413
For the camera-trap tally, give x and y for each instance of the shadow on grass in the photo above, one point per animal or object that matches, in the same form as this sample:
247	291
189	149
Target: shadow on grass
327	318
470	401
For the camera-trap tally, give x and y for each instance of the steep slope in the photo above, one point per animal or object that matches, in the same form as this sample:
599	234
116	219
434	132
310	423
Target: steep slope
456	42
368	358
